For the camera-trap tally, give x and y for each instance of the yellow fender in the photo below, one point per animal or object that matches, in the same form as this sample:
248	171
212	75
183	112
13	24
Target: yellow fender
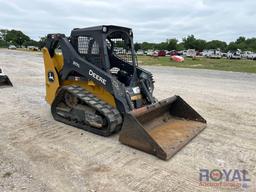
51	77
53	65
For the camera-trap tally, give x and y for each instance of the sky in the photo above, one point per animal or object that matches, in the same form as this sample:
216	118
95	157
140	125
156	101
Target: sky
151	20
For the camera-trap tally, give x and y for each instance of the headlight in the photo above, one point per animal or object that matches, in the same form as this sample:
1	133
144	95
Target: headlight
105	29
136	90
130	32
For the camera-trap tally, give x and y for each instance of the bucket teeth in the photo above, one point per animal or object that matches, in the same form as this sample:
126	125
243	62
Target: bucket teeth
162	129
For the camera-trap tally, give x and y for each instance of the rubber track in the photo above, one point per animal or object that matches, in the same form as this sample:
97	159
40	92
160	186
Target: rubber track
112	115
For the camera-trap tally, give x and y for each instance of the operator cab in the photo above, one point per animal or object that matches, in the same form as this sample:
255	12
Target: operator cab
121	56
109	48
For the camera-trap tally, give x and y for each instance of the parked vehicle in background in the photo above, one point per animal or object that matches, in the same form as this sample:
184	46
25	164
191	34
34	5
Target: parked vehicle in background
12	47
179	53
161	53
245	54
191	53
184	53
251	56
167	53
32	48
223	54
155	54
140	52
199	53
234	54
205	53
149	52
212	53
173	52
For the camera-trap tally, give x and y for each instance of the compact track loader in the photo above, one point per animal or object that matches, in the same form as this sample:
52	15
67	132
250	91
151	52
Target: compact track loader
93	82
4	80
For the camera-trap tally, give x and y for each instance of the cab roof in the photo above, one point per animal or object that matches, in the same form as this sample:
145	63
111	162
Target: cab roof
100	28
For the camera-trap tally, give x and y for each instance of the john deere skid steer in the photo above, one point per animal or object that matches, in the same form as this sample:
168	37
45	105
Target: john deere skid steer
93	82
4	80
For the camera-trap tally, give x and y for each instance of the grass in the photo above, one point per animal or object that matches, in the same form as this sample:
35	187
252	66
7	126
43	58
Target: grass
242	65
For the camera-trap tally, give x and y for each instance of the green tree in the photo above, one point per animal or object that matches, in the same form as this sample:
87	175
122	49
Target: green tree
251	44
137	46
215	44
232	46
180	46
16	37
240	40
199	44
41	42
31	43
3	33
146	46
3	42
172	44
161	46
189	42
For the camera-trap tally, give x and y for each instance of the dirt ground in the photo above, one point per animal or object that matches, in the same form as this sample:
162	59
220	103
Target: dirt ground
40	154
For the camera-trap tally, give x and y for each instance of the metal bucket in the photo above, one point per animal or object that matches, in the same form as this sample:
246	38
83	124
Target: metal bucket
4	80
162	129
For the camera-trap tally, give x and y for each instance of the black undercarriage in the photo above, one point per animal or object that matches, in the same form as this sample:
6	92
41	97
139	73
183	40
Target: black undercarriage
77	107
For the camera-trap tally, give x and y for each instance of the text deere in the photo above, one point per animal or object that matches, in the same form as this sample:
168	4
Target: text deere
97	77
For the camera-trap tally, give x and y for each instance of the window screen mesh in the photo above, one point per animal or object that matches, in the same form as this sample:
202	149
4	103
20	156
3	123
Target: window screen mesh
88	48
121	49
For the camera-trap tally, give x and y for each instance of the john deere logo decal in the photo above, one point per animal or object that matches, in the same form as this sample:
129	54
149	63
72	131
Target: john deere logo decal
50	76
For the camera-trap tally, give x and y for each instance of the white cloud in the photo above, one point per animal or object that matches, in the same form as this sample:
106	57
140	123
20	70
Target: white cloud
151	20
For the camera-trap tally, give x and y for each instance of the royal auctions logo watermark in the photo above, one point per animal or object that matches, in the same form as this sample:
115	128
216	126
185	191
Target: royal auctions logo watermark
224	178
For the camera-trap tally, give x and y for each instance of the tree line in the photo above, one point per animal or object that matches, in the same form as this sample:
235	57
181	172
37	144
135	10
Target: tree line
190	42
19	39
